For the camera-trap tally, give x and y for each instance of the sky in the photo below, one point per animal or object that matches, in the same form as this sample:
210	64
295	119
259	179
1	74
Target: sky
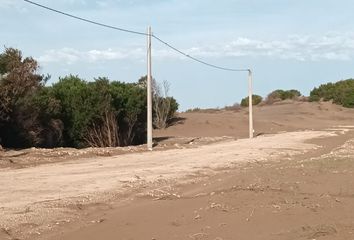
289	44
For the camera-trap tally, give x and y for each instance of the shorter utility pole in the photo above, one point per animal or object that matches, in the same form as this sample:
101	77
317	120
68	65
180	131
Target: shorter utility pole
149	92
250	103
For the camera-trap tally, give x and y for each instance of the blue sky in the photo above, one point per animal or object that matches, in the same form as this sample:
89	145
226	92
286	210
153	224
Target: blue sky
289	44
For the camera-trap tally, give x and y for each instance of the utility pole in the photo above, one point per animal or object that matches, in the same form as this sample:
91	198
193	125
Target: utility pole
149	92
250	103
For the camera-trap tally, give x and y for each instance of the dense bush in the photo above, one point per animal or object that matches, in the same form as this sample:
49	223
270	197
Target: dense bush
99	113
341	93
256	99
280	95
129	104
71	112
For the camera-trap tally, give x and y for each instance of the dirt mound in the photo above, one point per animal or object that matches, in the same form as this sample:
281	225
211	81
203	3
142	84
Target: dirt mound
278	117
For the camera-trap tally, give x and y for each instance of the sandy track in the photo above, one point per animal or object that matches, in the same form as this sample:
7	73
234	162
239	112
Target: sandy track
25	192
85	177
309	196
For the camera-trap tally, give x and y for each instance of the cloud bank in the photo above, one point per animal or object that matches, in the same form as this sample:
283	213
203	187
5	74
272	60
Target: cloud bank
300	48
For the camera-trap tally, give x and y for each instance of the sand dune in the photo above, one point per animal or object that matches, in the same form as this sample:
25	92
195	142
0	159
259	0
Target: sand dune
278	117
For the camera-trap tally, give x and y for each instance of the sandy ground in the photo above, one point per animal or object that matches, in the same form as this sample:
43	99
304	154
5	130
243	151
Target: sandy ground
279	117
300	198
289	185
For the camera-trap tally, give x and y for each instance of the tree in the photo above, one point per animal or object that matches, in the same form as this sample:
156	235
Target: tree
164	106
280	95
19	82
103	131
256	99
341	92
18	78
129	102
161	104
82	104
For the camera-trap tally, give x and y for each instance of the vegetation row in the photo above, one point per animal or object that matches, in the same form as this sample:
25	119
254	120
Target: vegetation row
73	112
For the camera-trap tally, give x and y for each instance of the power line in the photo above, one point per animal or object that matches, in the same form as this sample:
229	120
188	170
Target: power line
196	59
86	20
138	33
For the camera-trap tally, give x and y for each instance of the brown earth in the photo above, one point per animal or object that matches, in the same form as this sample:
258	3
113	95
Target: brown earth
200	183
279	117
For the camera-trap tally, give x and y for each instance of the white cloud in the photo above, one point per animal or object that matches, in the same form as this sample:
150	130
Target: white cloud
300	48
71	56
66	55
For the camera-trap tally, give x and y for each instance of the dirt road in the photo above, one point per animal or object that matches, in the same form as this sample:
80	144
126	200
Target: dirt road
309	196
47	198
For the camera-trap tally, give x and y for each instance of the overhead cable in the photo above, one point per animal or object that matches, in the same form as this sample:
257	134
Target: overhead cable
196	59
137	33
86	20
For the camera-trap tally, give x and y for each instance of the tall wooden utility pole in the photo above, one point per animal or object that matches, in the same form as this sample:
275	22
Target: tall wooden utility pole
149	92
250	103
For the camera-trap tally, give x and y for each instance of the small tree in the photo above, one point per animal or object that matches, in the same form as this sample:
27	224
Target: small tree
280	95
18	79
105	133
341	92
161	104
129	102
103	130
20	124
256	99
164	106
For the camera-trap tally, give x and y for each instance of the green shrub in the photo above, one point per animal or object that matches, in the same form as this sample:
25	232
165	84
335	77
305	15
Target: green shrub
86	106
341	93
129	104
348	101
280	95
173	108
256	99
81	104
291	94
197	109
